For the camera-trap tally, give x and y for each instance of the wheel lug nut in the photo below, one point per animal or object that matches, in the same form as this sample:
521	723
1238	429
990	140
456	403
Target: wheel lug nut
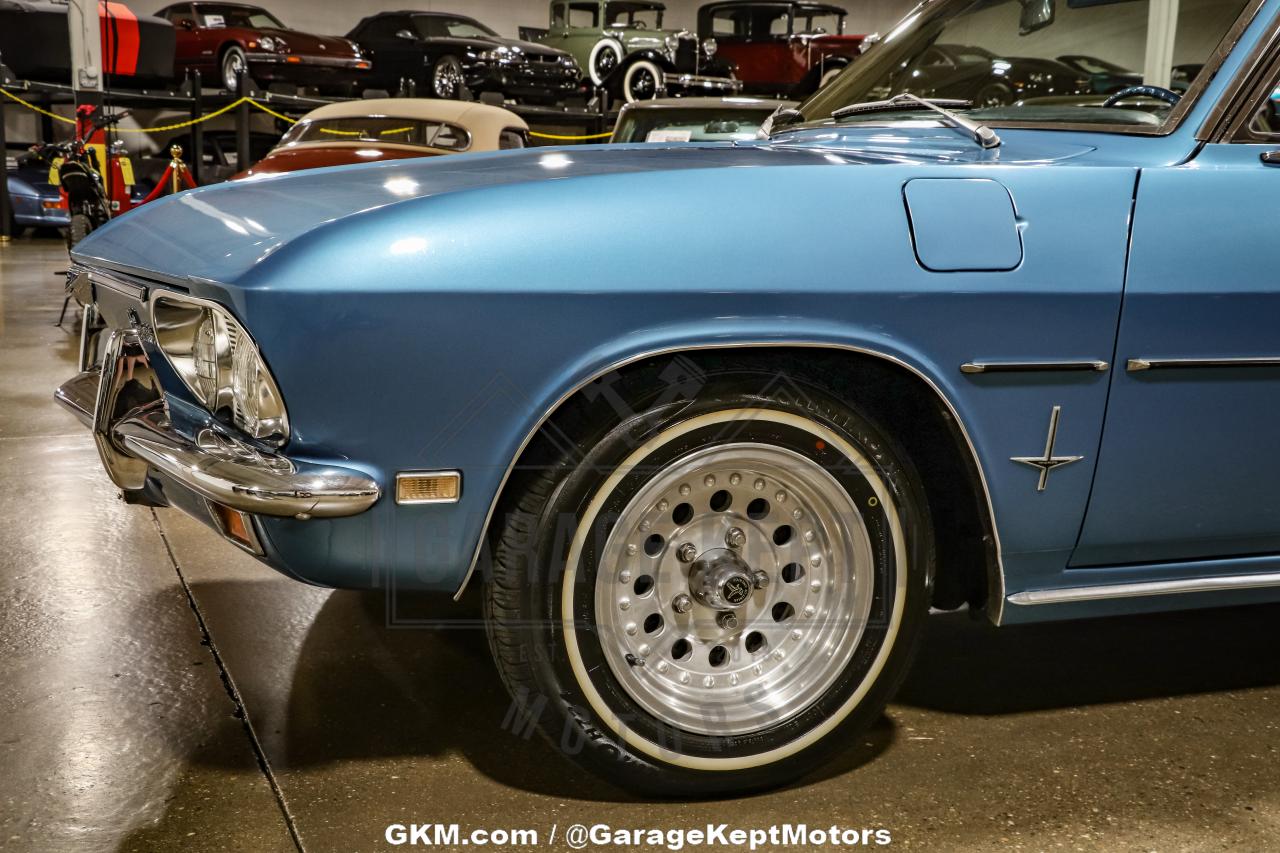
687	552
682	603
761	579
727	620
735	538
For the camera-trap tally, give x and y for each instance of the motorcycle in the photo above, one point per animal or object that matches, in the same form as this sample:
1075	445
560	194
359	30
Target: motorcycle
76	167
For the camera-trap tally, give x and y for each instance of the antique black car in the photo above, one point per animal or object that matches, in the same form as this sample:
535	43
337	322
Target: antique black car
449	56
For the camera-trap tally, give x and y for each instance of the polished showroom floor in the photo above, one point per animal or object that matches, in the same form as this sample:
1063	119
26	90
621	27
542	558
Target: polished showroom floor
161	691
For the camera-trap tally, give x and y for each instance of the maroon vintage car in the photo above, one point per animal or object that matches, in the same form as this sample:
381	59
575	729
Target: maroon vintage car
782	48
221	39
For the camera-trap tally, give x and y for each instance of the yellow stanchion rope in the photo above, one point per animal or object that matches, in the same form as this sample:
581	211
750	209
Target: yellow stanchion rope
229	107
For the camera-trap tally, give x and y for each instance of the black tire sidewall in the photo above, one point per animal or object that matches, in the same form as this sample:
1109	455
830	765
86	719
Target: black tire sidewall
575	726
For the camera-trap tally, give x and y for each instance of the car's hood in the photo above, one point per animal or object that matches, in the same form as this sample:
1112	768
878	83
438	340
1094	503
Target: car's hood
229	232
308	43
487	42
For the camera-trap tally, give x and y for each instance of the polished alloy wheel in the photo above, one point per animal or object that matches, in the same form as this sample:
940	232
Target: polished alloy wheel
232	65
734	589
447	79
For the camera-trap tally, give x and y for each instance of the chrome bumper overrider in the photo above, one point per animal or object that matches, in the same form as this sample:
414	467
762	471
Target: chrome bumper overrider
122	404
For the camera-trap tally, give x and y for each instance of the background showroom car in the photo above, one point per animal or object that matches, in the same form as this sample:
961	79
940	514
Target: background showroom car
792	48
446	56
390	129
223	40
622	45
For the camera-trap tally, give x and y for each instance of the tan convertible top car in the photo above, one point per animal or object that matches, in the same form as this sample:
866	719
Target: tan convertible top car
389	129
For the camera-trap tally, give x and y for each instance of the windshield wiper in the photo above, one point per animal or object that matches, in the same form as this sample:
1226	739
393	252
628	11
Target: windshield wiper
983	135
780	117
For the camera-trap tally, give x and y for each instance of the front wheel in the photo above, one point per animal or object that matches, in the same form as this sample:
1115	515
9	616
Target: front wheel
642	81
234	64
716	593
993	95
79	228
447	78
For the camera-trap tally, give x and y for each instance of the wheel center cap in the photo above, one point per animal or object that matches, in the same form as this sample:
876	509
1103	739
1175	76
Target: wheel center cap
721	579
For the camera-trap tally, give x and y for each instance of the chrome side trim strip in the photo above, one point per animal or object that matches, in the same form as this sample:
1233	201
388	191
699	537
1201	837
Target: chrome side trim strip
974	367
1137	365
995	597
1143	589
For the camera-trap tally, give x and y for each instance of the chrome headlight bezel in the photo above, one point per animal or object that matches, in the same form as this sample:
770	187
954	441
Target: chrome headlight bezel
709	47
220	364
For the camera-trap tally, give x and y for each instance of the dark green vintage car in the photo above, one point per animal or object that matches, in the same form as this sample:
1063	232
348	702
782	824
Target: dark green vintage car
622	47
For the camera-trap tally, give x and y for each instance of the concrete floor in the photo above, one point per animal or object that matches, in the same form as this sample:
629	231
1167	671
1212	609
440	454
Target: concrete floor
161	691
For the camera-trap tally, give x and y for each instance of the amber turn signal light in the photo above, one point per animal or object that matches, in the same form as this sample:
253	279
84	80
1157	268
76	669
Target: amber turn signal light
428	487
235	525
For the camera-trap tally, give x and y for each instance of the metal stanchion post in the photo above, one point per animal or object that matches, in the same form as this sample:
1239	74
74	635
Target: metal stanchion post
242	122
6	219
197	130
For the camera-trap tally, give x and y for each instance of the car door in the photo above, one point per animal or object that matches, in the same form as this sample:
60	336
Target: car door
394	57
1188	462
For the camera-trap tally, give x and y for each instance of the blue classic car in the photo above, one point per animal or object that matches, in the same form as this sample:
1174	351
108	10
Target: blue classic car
1022	358
35	203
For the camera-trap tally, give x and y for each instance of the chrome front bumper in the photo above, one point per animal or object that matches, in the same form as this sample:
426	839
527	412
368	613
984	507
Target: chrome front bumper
689	82
123	405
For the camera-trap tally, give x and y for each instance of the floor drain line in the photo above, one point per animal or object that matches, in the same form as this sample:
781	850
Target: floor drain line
240	711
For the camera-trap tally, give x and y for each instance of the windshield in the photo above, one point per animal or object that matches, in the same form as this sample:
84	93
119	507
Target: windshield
819	22
1043	61
440	26
384	129
676	124
246	17
633	15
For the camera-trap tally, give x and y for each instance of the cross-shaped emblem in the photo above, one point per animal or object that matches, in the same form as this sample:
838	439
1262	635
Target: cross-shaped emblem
1048	461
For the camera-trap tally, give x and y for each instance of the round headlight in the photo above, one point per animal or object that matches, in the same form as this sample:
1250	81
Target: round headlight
709	47
218	361
267	42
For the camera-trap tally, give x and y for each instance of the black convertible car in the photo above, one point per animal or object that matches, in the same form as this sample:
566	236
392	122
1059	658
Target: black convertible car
443	53
978	75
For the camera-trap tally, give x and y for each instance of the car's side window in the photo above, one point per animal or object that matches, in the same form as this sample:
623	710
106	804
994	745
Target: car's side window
181	12
1262	121
559	15
729	23
584	15
511	138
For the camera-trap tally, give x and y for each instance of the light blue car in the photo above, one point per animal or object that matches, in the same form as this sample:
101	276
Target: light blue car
716	424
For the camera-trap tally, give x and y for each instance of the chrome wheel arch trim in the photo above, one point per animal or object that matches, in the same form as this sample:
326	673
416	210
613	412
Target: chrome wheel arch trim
996	598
